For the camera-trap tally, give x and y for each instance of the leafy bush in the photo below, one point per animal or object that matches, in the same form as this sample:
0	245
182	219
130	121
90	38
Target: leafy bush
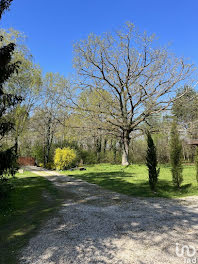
37	153
88	157
50	166
111	157
63	158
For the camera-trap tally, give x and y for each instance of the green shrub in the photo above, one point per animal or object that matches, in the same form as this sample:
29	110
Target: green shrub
37	153
50	166
88	157
63	158
110	157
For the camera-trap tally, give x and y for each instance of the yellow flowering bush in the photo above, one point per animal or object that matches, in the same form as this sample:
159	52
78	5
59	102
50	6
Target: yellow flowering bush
63	158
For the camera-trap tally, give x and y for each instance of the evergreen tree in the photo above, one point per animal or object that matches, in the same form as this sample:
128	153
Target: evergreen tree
151	162
7	101
176	156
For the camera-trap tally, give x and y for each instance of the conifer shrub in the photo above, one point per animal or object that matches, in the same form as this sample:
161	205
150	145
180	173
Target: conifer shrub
176	156
151	162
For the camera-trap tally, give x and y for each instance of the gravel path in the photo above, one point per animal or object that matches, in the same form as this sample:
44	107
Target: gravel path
99	226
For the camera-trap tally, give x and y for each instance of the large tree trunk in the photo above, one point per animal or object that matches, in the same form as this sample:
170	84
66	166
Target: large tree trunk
125	148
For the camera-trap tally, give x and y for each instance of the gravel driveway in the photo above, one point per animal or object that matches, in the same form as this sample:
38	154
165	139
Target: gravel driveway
100	226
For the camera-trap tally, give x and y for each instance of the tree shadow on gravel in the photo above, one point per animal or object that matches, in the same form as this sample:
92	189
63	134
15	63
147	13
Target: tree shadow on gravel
100	226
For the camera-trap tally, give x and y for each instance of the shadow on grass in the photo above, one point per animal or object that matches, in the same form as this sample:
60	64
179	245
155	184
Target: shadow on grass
22	212
113	174
118	182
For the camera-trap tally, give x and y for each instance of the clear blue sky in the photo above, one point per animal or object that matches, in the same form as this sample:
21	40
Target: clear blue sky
52	26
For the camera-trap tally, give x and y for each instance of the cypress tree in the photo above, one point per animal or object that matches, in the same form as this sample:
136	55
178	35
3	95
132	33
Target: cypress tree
151	162
176	156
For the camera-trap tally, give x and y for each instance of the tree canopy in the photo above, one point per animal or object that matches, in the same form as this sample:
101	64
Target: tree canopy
140	78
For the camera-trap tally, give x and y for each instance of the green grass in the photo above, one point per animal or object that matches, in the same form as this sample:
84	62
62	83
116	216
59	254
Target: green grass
34	198
22	212
133	180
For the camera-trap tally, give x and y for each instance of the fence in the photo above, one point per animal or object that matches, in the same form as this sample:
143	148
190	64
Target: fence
25	161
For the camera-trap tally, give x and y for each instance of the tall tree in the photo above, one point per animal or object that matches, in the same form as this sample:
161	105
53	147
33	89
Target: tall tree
26	82
47	113
139	77
8	101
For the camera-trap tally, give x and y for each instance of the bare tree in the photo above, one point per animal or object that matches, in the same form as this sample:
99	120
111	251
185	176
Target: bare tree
140	78
46	114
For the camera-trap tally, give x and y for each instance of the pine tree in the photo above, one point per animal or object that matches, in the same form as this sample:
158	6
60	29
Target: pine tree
176	156
151	162
7	101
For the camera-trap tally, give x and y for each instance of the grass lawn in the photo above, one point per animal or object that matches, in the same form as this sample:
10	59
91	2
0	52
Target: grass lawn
31	201
133	180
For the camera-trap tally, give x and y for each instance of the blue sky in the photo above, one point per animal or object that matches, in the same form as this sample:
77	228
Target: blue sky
52	26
